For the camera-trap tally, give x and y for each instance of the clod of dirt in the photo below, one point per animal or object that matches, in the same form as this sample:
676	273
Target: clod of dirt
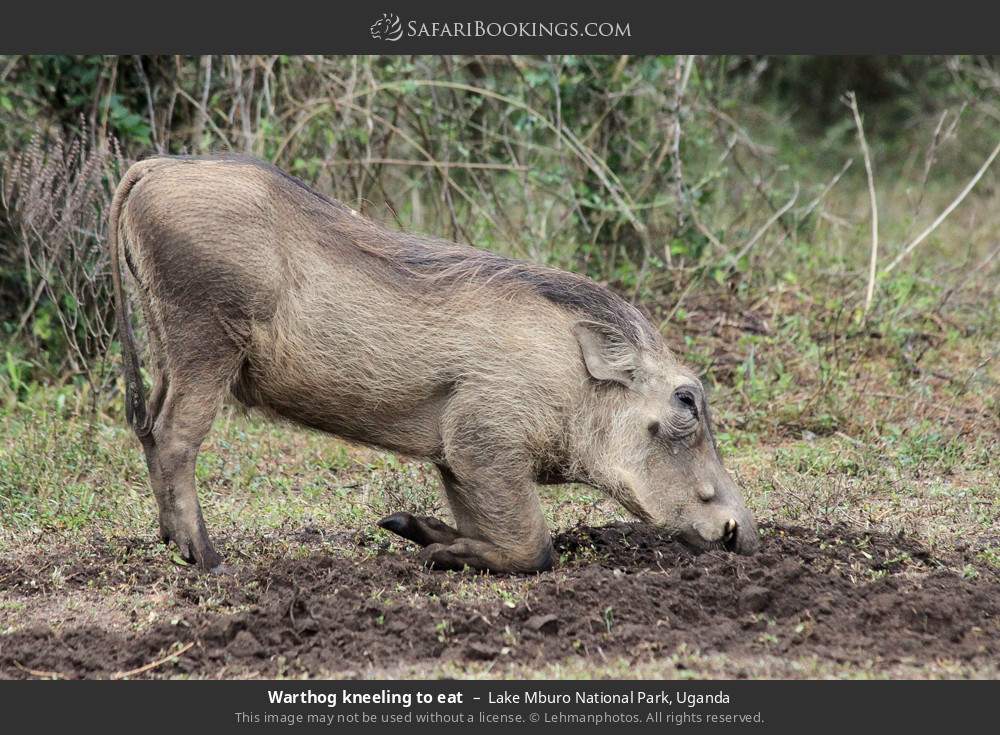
396	626
481	652
754	599
543	623
244	645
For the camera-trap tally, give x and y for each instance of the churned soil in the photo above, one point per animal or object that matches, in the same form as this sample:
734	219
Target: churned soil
620	592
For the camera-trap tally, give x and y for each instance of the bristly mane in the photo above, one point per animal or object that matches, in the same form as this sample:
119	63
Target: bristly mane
447	263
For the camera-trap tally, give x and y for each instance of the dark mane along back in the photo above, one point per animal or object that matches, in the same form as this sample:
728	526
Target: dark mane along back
445	263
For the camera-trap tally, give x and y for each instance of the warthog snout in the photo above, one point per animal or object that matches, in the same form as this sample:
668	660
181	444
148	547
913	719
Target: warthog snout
732	529
743	537
721	519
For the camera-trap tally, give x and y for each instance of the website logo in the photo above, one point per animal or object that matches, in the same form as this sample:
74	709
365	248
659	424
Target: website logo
387	28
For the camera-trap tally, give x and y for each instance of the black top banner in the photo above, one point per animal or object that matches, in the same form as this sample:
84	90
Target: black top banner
513	27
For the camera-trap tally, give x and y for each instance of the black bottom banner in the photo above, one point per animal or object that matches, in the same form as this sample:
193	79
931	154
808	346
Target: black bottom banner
495	706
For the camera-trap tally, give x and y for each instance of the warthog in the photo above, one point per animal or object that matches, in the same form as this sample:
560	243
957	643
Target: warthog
503	373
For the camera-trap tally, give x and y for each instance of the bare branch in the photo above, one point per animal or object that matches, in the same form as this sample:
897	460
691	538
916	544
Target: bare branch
944	215
851	100
826	189
766	226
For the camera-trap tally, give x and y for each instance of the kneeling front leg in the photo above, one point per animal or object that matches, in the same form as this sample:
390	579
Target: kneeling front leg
500	523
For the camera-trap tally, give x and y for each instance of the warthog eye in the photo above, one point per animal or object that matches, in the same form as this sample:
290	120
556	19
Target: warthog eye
685	396
654	428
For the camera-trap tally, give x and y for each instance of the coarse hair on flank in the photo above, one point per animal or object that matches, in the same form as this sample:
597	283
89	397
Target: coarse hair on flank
444	264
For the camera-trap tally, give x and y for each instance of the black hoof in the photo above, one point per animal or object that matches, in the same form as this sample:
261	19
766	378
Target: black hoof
400	524
205	557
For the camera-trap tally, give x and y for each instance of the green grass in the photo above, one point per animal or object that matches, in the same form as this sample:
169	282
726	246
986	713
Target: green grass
71	474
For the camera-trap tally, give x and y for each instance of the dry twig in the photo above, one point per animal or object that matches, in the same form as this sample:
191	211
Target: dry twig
153	664
948	210
766	226
39	674
851	100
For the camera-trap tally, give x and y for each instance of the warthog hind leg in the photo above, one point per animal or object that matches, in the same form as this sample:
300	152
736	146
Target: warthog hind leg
182	426
196	363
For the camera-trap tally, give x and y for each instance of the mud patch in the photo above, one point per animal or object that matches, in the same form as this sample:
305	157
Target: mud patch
620	591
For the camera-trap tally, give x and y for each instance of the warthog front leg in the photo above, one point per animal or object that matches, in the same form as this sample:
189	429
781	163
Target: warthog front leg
485	556
499	531
421	530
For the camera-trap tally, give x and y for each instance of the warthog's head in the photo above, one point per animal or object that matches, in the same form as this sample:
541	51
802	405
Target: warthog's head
645	437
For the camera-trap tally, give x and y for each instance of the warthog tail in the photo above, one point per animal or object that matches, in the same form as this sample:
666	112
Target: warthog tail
135	391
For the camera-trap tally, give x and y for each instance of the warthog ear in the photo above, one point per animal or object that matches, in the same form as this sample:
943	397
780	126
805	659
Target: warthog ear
607	354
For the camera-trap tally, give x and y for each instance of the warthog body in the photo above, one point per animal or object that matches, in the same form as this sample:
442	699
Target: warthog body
503	373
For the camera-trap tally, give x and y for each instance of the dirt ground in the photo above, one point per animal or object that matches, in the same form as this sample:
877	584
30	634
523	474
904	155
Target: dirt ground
338	607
